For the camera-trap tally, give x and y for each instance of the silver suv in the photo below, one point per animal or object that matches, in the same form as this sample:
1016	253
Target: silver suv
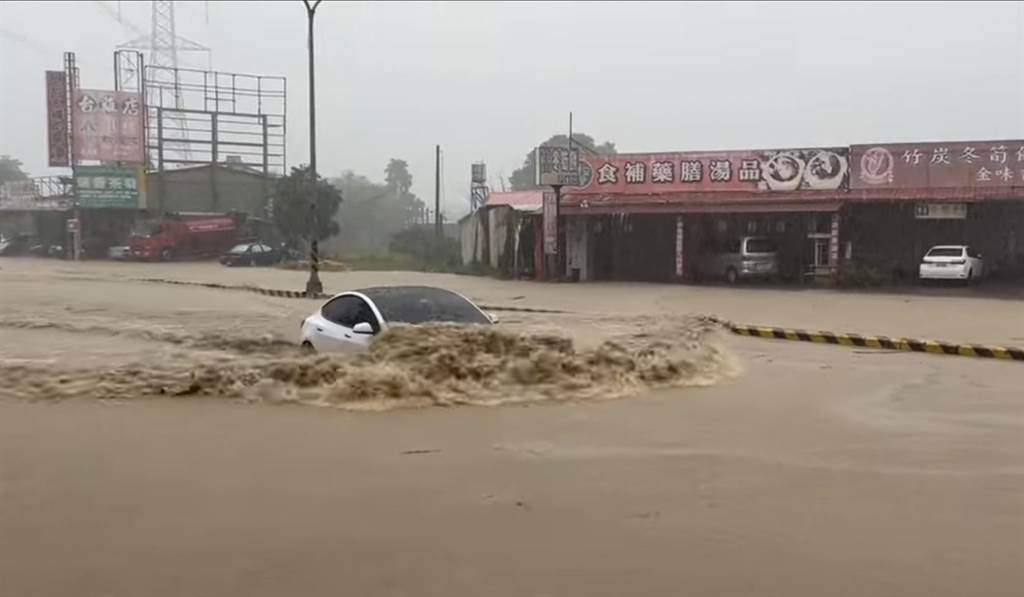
743	257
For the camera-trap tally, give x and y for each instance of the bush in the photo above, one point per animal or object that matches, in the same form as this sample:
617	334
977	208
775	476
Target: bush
421	244
859	275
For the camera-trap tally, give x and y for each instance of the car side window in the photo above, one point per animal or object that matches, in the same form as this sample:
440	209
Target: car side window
366	315
972	253
343	310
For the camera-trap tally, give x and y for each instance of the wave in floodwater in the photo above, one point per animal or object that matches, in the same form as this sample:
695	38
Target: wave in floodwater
204	341
414	366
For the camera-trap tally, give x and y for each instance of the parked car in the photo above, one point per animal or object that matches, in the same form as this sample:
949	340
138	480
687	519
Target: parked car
251	254
741	258
952	262
119	252
16	245
348	321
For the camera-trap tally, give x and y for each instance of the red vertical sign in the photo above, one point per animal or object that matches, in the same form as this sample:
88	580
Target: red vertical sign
550	225
57	117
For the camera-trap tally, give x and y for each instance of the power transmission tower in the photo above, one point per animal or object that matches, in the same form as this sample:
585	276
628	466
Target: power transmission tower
163	82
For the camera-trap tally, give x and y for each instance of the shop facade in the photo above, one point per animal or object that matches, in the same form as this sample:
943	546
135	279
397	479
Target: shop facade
654	217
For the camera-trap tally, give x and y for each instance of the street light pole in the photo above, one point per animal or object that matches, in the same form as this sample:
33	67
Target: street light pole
313	286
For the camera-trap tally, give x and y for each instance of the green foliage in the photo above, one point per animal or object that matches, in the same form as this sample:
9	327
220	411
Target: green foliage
860	275
396	175
422	243
373	213
292	212
522	179
10	169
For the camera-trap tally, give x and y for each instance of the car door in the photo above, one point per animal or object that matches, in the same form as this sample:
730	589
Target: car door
260	254
340	316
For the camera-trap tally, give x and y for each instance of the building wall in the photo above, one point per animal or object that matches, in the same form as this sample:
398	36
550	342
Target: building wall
13	223
499	222
472	238
577	247
887	236
208	190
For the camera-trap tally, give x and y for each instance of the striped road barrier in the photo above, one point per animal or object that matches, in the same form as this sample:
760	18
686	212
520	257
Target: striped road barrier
879	342
257	290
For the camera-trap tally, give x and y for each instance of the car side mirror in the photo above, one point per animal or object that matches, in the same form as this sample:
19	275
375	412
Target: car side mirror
493	317
363	328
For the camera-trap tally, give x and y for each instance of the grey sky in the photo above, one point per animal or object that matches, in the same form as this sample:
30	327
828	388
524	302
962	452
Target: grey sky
489	80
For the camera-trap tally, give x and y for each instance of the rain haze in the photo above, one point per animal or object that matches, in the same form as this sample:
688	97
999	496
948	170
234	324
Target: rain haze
488	81
764	338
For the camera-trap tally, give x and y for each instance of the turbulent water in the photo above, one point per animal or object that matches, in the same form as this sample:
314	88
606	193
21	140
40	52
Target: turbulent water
405	367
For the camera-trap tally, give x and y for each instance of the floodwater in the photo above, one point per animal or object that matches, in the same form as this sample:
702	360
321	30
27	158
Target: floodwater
166	439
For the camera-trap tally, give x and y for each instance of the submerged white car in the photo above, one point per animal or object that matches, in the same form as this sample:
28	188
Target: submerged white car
350	320
952	262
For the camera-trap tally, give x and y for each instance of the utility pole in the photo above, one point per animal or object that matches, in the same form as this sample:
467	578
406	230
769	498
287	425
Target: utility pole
437	191
74	230
313	286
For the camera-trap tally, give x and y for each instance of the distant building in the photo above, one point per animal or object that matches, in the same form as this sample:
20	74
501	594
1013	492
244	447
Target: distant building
210	188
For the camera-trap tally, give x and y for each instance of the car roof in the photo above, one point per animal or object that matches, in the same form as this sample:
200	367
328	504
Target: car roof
374	292
948	247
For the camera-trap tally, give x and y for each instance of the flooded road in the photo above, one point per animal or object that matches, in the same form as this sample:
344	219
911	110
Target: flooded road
797	470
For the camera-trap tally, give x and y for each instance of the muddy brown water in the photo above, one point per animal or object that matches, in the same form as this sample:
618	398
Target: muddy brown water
812	471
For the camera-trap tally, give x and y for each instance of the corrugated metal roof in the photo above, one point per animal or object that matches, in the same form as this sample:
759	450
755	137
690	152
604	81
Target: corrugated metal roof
517	200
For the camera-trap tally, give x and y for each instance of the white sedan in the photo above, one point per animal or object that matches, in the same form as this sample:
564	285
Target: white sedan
952	262
351	319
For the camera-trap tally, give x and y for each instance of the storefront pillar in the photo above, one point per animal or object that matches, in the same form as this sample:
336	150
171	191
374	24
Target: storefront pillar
833	249
680	269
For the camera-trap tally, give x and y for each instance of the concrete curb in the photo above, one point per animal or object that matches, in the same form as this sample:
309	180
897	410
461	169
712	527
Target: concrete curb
1007	353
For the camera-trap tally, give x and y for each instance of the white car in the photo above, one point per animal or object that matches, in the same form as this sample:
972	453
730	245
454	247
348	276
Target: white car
351	319
952	262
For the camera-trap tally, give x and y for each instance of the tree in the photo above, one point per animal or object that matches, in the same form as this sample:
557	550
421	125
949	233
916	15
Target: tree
292	211
399	181
10	169
523	178
396	174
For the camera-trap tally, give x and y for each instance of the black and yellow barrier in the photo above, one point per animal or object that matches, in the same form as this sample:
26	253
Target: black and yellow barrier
880	342
263	291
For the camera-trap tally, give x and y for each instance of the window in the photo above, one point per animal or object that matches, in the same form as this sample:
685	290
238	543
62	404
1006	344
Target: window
760	245
344	310
733	246
972	253
366	315
946	252
423	305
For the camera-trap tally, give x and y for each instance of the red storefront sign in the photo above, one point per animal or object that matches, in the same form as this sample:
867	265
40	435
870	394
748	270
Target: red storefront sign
932	165
748	170
107	125
57	117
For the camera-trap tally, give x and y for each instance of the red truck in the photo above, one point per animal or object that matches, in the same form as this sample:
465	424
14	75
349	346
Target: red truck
189	235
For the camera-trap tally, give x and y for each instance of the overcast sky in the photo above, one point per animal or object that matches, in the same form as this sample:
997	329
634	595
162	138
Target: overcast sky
487	81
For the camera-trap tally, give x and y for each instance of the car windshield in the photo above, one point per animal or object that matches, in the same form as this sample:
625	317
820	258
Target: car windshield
419	304
760	245
946	252
239	249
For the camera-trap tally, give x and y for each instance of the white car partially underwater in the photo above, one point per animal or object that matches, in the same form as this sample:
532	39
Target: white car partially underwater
350	320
